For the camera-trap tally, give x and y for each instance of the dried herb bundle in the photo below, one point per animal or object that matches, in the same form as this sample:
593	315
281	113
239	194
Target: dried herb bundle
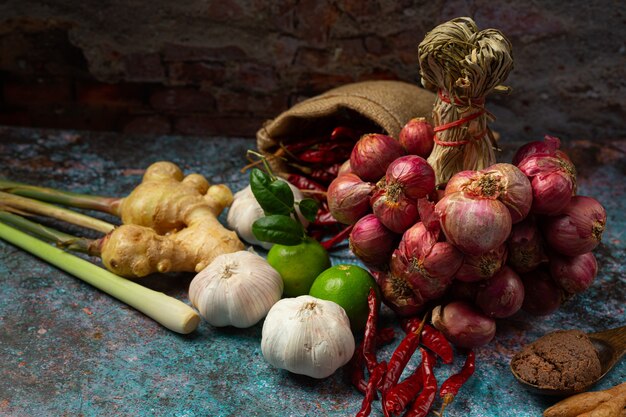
464	65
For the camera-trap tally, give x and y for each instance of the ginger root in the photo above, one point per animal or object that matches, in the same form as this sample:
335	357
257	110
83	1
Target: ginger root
606	403
170	224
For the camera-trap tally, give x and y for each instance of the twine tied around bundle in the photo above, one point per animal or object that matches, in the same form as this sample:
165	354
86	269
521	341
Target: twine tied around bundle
463	65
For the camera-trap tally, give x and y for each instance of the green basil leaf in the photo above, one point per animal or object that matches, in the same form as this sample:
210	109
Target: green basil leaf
278	228
308	207
272	198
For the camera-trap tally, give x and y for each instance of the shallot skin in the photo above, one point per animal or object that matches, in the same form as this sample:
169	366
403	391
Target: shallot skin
578	229
475	226
463	325
541	294
502	295
372	154
526	246
574	274
372	242
348	198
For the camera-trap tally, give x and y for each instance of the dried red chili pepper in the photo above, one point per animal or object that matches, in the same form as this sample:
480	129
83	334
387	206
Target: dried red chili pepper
357	375
341	132
385	336
305	183
432	338
400	358
324	218
339	237
399	396
424	401
370	393
313	156
369	339
327	174
451	386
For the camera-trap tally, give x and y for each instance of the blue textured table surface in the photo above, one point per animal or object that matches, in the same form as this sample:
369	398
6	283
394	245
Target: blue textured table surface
68	349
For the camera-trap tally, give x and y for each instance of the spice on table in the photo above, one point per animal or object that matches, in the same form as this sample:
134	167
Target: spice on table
424	401
451	386
563	359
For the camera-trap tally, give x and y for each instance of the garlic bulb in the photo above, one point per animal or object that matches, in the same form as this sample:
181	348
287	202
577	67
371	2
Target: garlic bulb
236	289
245	210
308	336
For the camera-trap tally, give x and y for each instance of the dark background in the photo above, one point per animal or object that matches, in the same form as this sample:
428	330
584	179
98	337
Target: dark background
222	67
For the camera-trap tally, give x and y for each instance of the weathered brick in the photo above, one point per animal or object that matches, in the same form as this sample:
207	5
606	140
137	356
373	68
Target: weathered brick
180	53
253	76
197	73
313	58
149	124
218	125
229	102
104	94
144	68
36	91
182	100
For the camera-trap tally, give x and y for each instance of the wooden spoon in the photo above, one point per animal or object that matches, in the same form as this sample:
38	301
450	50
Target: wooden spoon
611	346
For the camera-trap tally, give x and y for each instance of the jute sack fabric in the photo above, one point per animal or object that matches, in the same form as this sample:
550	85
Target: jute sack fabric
377	106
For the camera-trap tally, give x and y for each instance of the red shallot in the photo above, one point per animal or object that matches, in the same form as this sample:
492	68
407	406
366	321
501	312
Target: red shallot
428	265
481	267
549	145
541	294
553	180
502	295
475	226
372	154
394	209
398	294
578	229
574	274
463	325
412	174
372	242
348	198
417	137
504	182
526	246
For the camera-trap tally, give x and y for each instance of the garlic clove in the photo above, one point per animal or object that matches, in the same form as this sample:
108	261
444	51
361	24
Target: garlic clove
236	289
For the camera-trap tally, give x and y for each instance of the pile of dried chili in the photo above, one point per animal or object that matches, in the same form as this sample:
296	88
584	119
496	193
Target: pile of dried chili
314	163
415	395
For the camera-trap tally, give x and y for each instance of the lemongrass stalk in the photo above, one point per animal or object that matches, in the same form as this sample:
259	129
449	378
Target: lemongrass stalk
65	198
169	312
60	239
49	210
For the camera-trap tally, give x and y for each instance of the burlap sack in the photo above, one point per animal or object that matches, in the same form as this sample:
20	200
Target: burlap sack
376	106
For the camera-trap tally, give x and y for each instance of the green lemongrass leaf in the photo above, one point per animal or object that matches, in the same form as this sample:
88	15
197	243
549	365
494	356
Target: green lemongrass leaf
170	312
278	228
308	207
271	195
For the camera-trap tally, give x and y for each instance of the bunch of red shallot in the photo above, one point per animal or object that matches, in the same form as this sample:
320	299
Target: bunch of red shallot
495	241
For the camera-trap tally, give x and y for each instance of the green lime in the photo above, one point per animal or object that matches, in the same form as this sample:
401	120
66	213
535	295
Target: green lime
348	286
298	265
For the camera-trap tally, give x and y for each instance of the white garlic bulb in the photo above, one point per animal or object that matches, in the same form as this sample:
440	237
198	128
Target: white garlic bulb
236	289
308	336
245	210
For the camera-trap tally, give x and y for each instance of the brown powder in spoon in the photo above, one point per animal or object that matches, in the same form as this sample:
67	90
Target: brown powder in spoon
564	359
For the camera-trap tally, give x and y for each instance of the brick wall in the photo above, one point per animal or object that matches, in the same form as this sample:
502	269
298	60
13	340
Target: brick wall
223	67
